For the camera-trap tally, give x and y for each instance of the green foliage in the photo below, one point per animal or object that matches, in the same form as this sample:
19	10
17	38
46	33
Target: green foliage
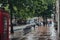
40	6
30	8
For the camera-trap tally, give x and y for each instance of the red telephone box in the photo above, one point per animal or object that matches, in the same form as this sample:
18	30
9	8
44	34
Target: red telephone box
4	25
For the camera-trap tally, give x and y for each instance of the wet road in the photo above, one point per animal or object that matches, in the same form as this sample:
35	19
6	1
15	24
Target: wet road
42	33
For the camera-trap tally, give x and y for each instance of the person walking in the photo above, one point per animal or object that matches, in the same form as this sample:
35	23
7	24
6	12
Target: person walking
43	23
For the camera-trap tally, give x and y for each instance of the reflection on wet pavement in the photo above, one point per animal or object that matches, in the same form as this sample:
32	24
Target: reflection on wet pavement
43	33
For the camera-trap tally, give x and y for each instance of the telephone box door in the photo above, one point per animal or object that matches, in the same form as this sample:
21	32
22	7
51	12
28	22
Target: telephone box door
4	25
6	29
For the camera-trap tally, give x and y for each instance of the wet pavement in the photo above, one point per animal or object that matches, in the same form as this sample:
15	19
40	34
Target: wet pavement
41	33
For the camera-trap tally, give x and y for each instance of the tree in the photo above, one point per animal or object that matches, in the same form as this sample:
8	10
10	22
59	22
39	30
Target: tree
28	8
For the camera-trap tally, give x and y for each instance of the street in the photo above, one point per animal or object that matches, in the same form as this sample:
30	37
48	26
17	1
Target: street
40	33
29	20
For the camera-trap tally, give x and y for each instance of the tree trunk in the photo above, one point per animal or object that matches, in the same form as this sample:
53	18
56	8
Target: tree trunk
11	7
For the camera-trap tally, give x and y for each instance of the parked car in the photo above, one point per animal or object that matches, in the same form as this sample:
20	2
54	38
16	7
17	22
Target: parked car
21	22
30	21
39	23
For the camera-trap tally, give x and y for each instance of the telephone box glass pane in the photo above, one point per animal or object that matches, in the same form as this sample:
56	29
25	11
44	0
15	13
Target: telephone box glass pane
5	28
